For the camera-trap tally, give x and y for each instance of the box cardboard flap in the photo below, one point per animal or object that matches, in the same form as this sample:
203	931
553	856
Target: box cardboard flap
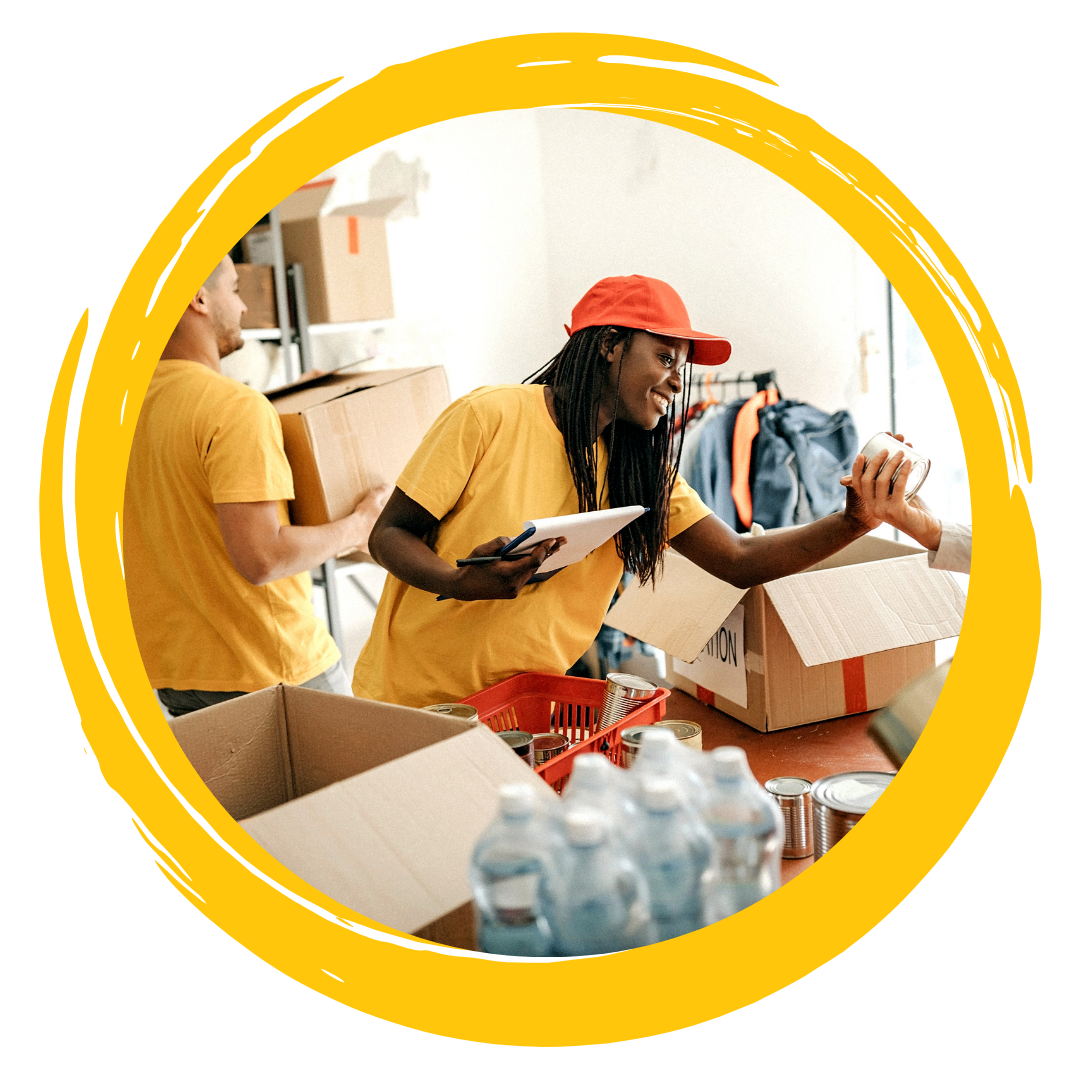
867	608
239	748
308	392
866	549
681	614
331	740
395	843
305	202
376	208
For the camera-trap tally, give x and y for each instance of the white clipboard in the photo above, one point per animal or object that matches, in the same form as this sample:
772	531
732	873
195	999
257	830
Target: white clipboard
584	534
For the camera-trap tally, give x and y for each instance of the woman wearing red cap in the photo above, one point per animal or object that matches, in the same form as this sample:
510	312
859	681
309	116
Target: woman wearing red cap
594	428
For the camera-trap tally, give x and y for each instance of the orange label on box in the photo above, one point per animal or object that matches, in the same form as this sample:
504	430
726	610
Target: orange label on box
354	236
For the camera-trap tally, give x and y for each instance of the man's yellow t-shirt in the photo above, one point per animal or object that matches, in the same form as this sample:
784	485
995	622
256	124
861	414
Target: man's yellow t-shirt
492	461
201	439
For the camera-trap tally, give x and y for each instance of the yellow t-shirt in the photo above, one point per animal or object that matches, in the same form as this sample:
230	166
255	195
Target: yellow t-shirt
493	460
201	439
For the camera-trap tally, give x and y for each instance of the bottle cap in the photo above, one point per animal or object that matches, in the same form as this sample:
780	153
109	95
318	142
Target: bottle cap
657	736
584	828
516	800
659	793
590	772
729	763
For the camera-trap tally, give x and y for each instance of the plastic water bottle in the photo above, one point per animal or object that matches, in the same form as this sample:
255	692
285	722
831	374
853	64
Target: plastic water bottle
749	830
596	784
660	755
601	901
512	870
675	851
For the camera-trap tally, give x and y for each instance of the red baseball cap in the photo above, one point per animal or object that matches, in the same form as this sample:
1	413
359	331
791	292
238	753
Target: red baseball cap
644	303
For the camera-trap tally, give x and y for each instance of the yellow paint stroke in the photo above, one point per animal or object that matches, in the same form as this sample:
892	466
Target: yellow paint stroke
309	936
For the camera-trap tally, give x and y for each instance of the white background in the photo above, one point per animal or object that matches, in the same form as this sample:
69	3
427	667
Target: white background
111	110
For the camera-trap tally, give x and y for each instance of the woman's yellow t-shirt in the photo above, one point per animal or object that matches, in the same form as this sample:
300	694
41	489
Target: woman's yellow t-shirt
492	461
201	439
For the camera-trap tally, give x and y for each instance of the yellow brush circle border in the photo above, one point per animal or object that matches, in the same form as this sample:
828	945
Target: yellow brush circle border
317	941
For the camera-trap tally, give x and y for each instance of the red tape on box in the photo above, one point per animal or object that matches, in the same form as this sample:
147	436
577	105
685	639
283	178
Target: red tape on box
854	685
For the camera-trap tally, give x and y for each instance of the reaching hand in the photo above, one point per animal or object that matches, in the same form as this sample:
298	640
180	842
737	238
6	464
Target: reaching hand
879	485
365	515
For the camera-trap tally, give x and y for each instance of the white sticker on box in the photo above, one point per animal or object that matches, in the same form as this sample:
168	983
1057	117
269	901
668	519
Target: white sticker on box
721	667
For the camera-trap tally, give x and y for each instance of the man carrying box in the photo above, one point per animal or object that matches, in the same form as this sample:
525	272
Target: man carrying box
216	576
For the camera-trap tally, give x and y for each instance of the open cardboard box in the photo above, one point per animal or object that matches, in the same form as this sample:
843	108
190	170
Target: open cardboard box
377	806
347	434
344	253
839	638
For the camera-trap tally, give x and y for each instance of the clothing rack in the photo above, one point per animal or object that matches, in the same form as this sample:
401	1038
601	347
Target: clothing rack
761	380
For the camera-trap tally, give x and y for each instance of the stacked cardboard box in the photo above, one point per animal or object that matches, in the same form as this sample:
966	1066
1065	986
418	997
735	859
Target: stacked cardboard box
344	254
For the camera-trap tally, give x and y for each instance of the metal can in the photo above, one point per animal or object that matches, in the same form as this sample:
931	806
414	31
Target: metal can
521	742
623	694
545	747
793	795
631	743
840	802
456	710
686	731
920	466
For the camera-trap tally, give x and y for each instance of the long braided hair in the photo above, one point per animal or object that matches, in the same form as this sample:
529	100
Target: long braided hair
641	464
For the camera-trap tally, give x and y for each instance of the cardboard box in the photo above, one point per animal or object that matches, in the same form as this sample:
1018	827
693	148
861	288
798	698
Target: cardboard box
347	434
377	806
257	292
839	638
344	254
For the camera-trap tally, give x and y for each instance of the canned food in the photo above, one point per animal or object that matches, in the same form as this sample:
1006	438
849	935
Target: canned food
793	795
631	743
920	466
840	802
686	731
622	695
456	710
521	742
545	747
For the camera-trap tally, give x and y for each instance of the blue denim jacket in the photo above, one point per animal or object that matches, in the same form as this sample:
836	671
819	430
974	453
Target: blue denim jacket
800	451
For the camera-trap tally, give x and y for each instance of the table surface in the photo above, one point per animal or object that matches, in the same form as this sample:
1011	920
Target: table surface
811	751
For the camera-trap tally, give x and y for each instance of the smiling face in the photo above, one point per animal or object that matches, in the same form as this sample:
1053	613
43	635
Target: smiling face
651	377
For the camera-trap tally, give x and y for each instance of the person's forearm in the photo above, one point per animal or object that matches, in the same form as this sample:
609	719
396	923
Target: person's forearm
410	560
765	558
745	561
297	548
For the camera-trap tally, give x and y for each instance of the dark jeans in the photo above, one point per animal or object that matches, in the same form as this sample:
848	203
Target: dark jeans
180	702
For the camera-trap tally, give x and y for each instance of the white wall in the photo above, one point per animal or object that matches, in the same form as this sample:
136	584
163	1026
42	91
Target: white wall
468	272
525	210
752	257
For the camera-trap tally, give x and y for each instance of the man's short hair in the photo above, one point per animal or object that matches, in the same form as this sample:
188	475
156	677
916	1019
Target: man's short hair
211	281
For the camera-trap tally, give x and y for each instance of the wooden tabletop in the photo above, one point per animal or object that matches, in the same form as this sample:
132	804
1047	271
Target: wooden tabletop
811	751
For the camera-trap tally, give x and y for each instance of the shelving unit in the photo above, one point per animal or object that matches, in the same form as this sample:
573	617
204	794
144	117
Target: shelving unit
295	333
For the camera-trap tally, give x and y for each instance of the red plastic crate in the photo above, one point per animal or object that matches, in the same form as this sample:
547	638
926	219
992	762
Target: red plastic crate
563	705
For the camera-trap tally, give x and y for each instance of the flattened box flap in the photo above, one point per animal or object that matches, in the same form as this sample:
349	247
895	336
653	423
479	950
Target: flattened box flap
395	842
307	392
305	202
867	607
376	208
682	613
